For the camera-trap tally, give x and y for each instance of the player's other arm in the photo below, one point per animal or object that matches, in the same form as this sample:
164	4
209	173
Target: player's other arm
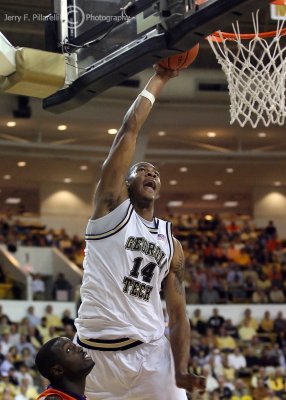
111	189
180	333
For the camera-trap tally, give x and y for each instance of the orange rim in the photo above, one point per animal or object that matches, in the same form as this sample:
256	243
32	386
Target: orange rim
220	36
279	2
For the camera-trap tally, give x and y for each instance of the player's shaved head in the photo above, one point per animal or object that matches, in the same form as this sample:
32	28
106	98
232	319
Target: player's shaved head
47	357
134	167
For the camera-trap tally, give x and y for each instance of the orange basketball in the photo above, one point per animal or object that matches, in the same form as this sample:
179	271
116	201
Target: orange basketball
181	60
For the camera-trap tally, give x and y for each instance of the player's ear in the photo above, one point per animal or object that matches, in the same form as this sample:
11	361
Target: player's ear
127	184
57	370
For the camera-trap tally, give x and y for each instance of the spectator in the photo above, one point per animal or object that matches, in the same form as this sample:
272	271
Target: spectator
261	391
271	230
61	288
52	319
5	342
198	323
279	323
271	396
22	372
269	357
33	319
67	319
260	374
25	343
43	331
7	389
225	342
210	295
241	391
14	334
237	360
276	295
5	323
263	283
281	339
249	287
69	332
248	318
7	364
211	382
252	360
28	357
259	296
228	372
26	390
276	382
237	293
246	332
231	329
216	321
224	391
38	287
266	324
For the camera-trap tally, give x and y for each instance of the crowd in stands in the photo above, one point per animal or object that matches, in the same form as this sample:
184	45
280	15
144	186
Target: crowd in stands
231	263
226	262
19	343
243	362
17	233
246	361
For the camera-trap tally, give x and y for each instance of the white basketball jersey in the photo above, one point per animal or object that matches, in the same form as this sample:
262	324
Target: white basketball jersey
125	263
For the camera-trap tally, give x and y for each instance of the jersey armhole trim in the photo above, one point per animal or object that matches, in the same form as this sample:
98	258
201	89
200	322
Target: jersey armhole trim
111	232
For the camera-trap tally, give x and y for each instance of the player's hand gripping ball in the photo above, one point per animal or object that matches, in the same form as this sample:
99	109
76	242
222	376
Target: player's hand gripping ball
181	60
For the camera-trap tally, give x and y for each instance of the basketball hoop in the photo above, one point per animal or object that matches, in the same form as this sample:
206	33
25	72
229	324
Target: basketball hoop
255	68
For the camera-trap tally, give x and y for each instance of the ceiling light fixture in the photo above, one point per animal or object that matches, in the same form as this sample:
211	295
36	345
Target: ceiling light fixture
21	164
183	169
84	167
7	177
211	134
62	127
218	183
161	133
112	131
11	124
173	182
231	204
261	134
67	180
209	196
277	183
229	170
175	203
13	200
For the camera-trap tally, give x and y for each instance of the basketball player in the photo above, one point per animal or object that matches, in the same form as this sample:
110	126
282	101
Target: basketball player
66	366
129	255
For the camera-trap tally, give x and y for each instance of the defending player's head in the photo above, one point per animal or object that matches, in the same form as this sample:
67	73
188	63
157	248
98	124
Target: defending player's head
143	182
60	360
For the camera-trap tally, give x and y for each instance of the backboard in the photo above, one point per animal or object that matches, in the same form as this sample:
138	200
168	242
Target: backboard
107	41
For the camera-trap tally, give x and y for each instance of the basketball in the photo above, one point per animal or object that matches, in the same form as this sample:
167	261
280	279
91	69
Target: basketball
181	60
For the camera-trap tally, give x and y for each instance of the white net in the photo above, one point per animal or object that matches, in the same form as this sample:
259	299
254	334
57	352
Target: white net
256	72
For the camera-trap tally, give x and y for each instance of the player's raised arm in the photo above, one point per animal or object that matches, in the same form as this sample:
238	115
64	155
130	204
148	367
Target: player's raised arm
180	335
111	189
